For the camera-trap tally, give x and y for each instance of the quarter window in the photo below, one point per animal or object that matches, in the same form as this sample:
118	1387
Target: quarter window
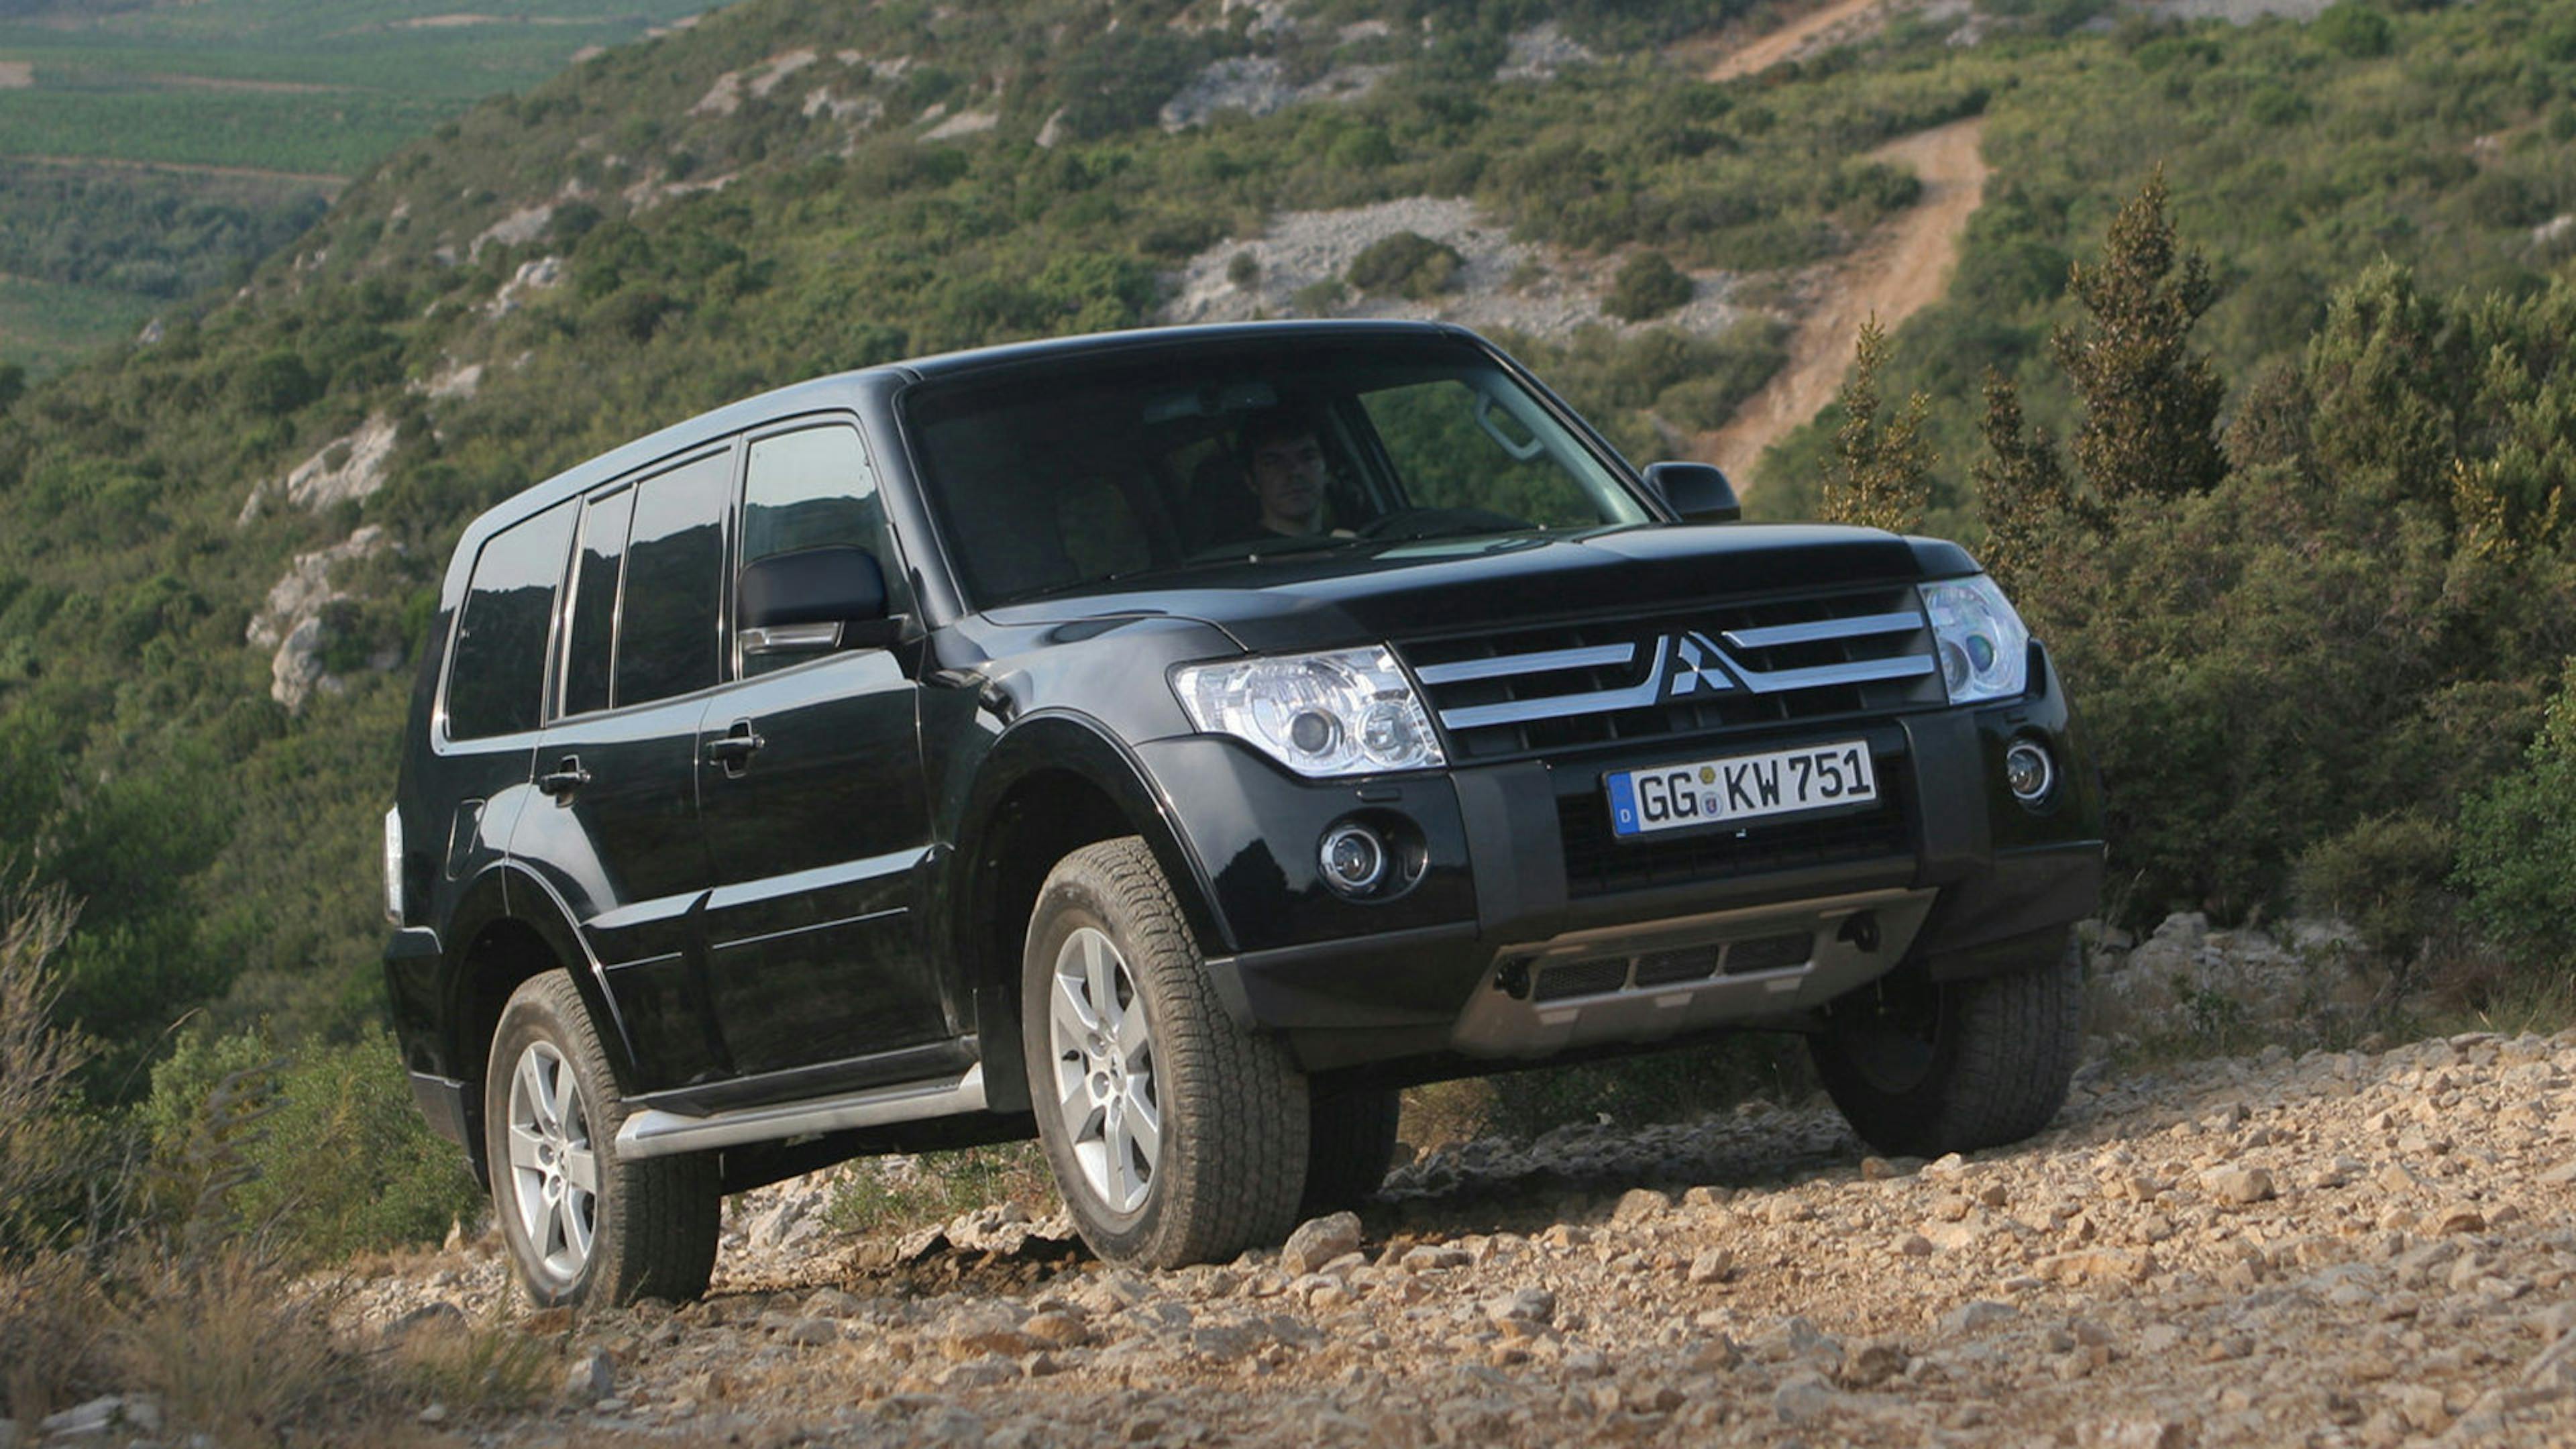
497	675
592	634
670	638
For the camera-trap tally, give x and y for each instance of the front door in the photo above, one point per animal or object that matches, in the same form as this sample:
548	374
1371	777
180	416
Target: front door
811	796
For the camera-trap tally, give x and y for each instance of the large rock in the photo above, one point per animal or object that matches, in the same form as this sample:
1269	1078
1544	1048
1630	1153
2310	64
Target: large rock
1318	1241
293	621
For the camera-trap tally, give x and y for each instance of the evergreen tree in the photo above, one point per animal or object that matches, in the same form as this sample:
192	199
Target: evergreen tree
2021	492
2150	402
1880	476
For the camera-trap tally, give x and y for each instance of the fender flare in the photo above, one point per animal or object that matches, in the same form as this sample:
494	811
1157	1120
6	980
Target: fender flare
506	891
1052	742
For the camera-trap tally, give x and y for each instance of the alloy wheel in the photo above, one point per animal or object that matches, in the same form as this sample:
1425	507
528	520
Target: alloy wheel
1104	1067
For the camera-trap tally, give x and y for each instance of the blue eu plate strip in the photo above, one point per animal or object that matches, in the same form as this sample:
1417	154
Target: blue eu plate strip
1623	805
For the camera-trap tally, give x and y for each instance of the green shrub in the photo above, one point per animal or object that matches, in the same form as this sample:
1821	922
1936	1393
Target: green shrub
1407	264
2518	842
276	383
2354	29
1648	285
2384	874
341	1158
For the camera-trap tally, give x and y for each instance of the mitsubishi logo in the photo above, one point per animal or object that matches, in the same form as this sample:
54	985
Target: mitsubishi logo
1696	665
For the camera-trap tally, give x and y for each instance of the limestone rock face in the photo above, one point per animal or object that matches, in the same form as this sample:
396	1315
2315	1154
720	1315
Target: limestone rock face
294	620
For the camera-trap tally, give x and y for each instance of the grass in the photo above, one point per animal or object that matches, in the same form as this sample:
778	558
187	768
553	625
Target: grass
899	1194
47	325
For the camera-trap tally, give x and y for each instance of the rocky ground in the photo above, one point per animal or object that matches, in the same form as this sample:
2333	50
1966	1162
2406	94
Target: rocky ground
2336	1249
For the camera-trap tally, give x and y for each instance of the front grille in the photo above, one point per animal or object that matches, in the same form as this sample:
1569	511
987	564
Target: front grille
1582	978
1536	691
1598	864
1662	968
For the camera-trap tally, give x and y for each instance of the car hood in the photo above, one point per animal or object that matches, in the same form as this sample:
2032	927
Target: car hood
1341	597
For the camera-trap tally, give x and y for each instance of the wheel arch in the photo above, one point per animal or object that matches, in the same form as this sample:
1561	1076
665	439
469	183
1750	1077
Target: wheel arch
1054	783
510	928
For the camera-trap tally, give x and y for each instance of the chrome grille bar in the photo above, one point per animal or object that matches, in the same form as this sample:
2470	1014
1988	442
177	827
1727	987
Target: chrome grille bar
1858	671
1522	711
1856	627
1542	662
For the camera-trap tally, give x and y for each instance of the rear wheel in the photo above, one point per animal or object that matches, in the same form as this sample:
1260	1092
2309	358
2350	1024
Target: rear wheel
1922	1068
1350	1138
584	1225
1175	1135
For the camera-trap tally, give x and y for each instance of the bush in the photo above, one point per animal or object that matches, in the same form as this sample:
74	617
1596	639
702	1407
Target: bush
1407	264
1648	285
276	383
47	1144
2518	843
2354	29
340	1159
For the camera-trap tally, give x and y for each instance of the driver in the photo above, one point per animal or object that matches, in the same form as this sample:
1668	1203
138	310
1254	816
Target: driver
1283	457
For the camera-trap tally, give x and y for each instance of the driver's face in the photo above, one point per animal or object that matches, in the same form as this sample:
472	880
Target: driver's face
1288	473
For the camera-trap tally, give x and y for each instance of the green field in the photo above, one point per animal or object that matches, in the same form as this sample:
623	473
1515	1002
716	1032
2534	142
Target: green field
308	94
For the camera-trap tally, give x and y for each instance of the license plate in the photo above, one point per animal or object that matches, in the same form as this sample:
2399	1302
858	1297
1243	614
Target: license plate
1739	787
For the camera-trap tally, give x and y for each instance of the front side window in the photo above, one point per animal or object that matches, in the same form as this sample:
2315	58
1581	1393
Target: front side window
497	673
670	626
1066	477
810	489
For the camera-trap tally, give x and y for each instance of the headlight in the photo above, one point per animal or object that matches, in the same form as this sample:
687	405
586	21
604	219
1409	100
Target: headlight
1348	712
393	865
1984	645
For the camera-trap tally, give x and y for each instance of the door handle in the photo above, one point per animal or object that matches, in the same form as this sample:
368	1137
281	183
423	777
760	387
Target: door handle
564	778
735	748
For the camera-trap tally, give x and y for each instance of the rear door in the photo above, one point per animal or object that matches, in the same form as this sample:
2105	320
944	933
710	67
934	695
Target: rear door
617	832
816	818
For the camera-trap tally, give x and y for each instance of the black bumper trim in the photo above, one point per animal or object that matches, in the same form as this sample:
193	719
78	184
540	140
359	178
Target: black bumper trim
2013	913
1410	978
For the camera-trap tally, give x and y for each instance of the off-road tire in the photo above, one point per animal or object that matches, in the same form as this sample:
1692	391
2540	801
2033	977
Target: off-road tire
1350	1137
1232	1103
1921	1069
656	1218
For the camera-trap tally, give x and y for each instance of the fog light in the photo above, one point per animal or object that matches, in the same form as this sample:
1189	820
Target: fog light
2029	771
1354	858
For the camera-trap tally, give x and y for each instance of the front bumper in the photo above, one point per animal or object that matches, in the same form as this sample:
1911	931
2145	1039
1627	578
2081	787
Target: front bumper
1955	875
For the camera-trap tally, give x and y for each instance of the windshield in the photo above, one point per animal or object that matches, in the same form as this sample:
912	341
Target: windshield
1112	468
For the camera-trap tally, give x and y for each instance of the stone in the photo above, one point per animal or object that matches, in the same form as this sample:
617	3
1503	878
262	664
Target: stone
2133	1434
833	1303
2097	1265
1318	1241
2243	1186
1057	1330
1871	1362
1712	1265
428	1325
1801	1397
978	1373
812	1332
1914	1245
1523	1305
1432	1258
590	1377
84	1420
1639	1204
2457	1218
1978	1314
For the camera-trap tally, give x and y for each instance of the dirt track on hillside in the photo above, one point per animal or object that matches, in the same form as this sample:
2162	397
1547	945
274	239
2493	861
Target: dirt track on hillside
1773	47
1904	268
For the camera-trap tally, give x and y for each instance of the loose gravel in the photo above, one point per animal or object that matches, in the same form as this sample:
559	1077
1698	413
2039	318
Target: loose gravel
2338	1249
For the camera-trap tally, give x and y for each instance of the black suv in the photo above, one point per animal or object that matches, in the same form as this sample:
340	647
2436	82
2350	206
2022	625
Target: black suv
1169	744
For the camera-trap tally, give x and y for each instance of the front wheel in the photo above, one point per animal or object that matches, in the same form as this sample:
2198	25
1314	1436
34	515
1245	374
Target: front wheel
1176	1135
1921	1068
584	1225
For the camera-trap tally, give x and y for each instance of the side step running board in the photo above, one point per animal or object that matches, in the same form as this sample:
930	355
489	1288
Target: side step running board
653	1133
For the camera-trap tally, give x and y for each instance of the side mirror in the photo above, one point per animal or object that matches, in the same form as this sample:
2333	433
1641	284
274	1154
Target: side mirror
1696	491
814	600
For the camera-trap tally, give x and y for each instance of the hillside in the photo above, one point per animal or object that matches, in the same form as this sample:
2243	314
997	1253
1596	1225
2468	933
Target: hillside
217	548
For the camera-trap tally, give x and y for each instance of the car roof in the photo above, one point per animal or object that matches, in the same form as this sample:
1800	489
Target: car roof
1211	334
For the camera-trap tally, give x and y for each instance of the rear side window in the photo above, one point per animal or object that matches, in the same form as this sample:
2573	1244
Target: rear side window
592	633
670	635
497	678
